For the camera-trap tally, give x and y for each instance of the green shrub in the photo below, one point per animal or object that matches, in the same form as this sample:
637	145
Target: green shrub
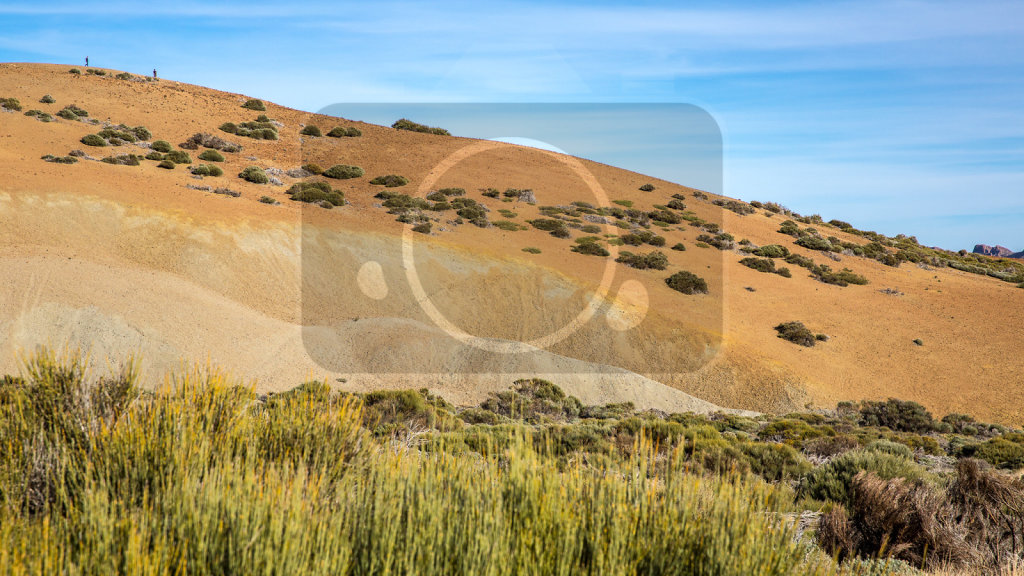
490	192
74	71
405	124
254	174
801	261
313	168
229	127
178	157
390	181
814	243
590	247
655	260
96	72
10	104
843	277
211	156
60	159
792	431
1006	451
676	204
33	113
93	140
626	203
772	251
647	187
343	172
531	250
890	447
207	170
311	130
111	134
422	228
47	99
167	164
154	156
775	462
900	415
679	247
161	146
533	400
760	264
722	240
833	480
797	333
664	216
340	132
254	104
453	191
556	228
506	225
687	283
740	208
122	160
313	192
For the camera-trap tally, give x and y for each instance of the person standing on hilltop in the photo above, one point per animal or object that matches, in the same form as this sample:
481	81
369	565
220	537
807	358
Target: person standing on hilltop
86	61
154	73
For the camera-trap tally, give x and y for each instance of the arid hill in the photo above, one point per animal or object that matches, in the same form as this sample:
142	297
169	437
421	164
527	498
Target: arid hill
178	267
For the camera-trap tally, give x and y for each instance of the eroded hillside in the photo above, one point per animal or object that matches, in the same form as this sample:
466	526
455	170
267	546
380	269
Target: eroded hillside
127	256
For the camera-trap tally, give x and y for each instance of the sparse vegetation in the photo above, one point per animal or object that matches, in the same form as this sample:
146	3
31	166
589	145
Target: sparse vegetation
256	130
205	140
254	174
254	104
766	265
47	99
341	132
647	187
93	140
343	172
211	156
531	250
390	180
405	124
654	260
687	283
722	240
315	192
313	168
311	130
122	160
178	157
796	333
161	146
556	228
60	159
590	245
208	170
166	164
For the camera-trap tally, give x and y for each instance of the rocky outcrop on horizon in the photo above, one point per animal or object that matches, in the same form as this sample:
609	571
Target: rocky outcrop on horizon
997	251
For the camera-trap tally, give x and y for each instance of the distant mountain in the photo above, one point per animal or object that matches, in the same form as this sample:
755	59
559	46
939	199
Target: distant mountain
997	251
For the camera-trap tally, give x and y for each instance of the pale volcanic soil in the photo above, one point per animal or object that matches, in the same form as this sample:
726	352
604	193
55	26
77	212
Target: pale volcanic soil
121	259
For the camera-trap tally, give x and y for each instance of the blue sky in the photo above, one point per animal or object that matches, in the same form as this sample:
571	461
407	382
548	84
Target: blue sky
896	116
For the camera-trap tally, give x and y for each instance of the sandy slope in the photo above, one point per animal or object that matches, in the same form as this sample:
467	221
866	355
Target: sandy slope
128	258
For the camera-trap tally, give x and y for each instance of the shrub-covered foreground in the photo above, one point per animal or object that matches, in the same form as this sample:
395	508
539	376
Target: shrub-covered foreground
203	476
